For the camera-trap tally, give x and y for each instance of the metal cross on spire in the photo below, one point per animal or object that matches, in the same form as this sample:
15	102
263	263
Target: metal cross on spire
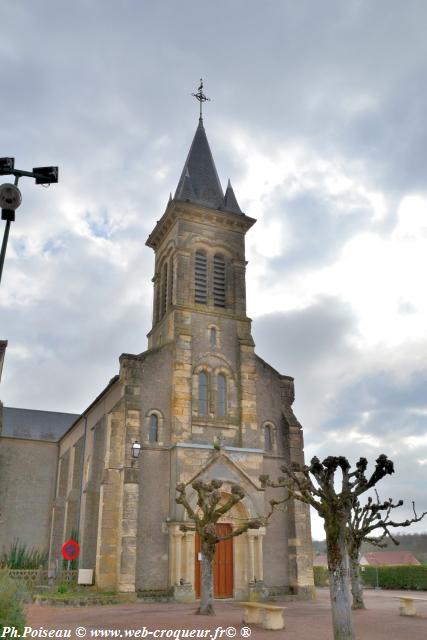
200	96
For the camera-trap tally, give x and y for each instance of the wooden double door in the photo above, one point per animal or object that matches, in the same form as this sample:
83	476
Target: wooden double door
223	564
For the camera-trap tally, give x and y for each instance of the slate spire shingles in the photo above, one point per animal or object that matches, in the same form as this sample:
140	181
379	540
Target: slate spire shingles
200	169
186	190
199	181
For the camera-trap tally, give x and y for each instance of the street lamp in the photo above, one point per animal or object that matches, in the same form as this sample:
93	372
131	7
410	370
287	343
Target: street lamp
10	196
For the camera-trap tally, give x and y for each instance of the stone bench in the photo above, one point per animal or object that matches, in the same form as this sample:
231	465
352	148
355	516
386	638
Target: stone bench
407	606
268	615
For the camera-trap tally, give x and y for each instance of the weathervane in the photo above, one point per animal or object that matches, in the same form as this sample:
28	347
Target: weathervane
200	96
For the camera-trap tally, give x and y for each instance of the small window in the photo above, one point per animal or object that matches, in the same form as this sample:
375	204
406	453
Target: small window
201	278
221	399
212	336
153	432
268	438
203	394
219	280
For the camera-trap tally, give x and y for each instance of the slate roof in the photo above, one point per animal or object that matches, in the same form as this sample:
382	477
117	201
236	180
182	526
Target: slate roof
32	424
390	558
199	181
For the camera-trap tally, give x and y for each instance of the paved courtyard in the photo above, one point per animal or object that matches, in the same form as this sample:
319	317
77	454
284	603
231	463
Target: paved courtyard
303	620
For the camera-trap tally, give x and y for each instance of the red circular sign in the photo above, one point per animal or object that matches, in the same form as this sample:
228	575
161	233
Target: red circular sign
70	550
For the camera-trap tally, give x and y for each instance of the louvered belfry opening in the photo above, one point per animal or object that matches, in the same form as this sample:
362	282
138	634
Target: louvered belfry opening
201	278
219	281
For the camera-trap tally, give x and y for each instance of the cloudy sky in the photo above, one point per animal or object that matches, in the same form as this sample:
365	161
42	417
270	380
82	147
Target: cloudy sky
318	116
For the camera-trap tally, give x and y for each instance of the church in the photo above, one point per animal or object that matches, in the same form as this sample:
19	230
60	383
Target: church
198	403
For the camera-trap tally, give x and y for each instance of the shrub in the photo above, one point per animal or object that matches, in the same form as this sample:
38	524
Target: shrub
321	578
397	577
11	609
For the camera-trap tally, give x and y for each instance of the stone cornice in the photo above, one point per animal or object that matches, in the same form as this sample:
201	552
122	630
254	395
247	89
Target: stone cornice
200	309
188	211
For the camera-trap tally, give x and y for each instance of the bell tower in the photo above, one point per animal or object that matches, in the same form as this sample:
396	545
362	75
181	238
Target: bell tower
199	244
199	305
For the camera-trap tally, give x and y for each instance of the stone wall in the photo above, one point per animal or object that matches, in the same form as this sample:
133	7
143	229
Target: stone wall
276	569
289	533
80	472
155	391
27	489
90	498
153	511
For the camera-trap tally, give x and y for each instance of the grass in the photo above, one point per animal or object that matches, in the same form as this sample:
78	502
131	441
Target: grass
86	596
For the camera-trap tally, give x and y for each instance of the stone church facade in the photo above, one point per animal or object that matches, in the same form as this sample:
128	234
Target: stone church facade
202	404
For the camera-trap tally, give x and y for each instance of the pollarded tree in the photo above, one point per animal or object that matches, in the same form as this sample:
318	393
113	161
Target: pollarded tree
205	517
316	485
365	521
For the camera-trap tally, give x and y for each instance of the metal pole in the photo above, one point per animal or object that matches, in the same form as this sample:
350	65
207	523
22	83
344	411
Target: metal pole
6	237
43	175
3	246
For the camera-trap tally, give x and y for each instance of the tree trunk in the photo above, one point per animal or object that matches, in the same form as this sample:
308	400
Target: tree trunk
356	582
206	607
338	583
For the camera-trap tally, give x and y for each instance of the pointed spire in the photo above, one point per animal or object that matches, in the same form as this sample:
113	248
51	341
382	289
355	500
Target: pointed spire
200	166
230	200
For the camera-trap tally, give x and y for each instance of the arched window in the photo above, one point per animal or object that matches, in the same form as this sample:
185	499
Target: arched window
203	394
221	398
153	431
268	437
164	294
219	280
171	275
212	336
201	278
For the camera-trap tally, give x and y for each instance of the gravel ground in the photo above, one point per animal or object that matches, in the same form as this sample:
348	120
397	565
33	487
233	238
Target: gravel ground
303	620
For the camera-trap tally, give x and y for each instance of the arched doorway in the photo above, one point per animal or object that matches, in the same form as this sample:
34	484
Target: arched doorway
223	564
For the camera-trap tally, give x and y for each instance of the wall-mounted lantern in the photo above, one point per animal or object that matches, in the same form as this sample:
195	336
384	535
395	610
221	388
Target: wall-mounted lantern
136	449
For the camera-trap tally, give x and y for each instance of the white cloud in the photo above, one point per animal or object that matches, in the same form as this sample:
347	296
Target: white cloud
415	442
